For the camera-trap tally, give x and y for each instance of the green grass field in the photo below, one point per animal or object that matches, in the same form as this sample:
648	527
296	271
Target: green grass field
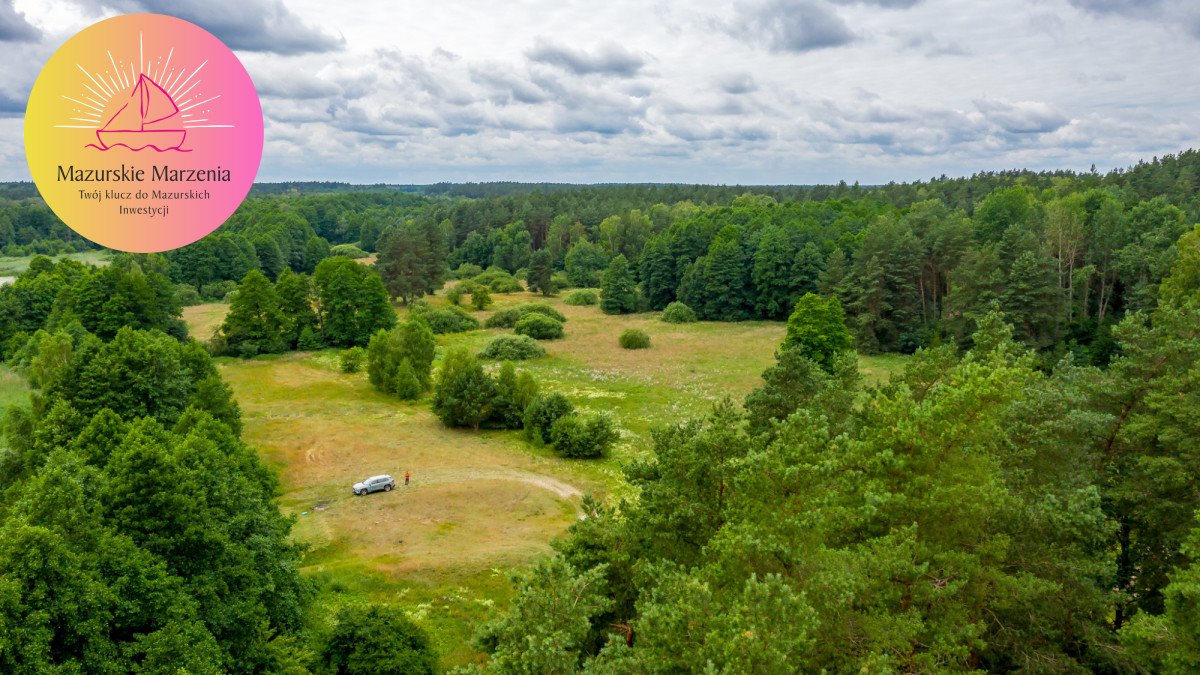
482	504
11	267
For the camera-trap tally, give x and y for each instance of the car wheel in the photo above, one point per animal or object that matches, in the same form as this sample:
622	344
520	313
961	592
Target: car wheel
390	486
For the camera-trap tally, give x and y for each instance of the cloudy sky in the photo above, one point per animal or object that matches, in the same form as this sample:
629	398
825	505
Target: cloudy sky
749	91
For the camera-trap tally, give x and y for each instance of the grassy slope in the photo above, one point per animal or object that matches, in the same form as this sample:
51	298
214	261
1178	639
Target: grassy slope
481	504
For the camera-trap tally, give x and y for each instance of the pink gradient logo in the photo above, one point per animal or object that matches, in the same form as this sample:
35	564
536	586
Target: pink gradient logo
143	132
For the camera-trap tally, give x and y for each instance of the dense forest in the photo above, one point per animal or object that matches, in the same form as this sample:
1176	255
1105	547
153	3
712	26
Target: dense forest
1022	498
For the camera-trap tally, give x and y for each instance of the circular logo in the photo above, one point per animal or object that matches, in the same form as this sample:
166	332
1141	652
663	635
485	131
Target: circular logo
143	133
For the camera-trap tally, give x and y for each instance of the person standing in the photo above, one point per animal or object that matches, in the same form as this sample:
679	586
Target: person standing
407	475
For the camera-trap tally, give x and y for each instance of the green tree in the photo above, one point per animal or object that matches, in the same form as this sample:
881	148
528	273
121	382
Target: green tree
402	359
352	302
254	324
656	269
296	301
618	292
464	393
514	392
540	272
585	262
541	414
773	276
817	330
377	639
403	262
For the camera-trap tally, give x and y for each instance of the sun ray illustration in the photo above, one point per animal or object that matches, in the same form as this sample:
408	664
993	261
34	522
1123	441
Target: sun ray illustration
141	108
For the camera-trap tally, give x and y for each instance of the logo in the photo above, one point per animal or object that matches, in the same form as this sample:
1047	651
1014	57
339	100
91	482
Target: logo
143	133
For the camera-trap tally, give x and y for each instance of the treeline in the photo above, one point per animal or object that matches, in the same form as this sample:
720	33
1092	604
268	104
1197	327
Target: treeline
977	513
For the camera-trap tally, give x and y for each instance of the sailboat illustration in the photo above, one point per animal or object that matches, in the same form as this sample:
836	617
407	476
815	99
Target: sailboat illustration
150	119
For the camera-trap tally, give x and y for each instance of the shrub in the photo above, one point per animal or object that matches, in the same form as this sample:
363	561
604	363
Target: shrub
309	340
539	327
633	338
575	437
677	312
446	319
467	271
514	391
583	296
217	292
458	291
186	295
512	348
480	298
348	251
507	318
399	361
352	359
560	280
543	412
499	281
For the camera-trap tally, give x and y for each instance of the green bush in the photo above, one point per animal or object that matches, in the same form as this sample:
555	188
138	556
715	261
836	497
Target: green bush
677	312
583	296
575	437
310	340
218	291
512	348
377	639
539	327
348	251
445	319
186	295
543	411
507	318
467	271
633	338
481	299
499	281
457	292
560	280
352	359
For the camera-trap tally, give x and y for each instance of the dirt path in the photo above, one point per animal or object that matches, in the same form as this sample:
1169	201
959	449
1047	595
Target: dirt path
466	475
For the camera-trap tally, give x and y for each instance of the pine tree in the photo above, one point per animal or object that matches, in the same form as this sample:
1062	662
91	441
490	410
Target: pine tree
403	261
1030	297
618	292
656	268
540	272
772	274
726	279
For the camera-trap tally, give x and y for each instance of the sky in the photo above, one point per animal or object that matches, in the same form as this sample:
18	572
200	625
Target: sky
741	92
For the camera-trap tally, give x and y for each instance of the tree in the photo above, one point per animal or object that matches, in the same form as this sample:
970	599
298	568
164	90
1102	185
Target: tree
618	292
316	249
656	269
352	302
541	414
725	276
296	301
540	272
403	262
773	276
464	393
481	299
576	437
585	262
377	639
513	394
817	330
254	324
400	361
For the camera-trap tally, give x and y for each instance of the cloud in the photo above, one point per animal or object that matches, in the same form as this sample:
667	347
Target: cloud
1122	7
247	25
1022	117
932	46
794	26
888	4
609	59
14	27
737	83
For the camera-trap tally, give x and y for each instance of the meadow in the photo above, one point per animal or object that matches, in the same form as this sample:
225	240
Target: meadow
12	266
481	505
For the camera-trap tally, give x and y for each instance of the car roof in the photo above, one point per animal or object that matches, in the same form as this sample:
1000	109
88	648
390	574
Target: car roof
382	475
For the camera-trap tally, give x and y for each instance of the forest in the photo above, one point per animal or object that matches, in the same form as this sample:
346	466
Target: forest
1021	496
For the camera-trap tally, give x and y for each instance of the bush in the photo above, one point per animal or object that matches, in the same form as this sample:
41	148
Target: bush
512	348
575	437
352	359
400	361
633	338
218	291
677	312
455	294
309	341
446	320
539	327
348	251
560	280
480	298
464	393
467	271
583	296
514	391
507	318
542	413
499	281
186	295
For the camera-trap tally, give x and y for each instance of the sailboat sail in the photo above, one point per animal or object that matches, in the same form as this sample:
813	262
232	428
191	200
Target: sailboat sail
148	119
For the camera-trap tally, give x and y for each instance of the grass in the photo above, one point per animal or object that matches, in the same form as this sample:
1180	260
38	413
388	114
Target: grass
14	389
11	267
481	504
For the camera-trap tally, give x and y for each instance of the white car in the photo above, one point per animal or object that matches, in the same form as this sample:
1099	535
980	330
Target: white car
380	483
